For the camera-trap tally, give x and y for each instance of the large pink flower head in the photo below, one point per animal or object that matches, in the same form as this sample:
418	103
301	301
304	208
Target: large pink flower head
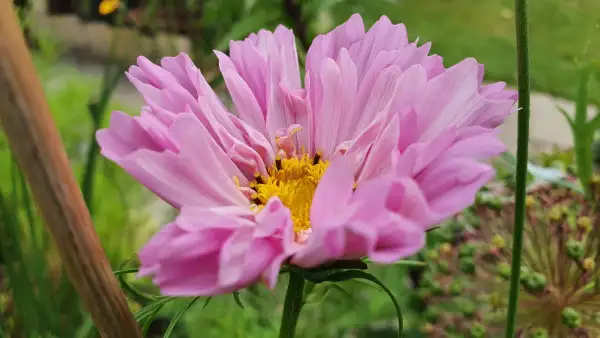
379	144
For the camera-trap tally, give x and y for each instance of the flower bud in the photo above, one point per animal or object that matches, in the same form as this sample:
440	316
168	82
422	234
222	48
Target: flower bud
446	249
571	318
525	274
584	224
467	308
536	282
589	264
556	213
444	267
530	201
478	330
467	250
432	255
466	265
539	333
498	241
504	270
575	249
455	288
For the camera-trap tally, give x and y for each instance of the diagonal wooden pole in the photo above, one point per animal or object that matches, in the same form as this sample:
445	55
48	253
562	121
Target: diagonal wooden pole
36	144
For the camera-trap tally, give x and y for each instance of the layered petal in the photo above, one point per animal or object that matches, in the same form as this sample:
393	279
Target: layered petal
208	252
351	225
196	171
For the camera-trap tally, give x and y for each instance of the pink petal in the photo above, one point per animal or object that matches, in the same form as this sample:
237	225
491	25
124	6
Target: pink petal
213	251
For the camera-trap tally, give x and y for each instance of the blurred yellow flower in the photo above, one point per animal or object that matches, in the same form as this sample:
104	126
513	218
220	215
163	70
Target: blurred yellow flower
108	6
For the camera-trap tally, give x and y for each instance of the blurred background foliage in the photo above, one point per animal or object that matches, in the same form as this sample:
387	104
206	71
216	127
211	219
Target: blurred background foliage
36	299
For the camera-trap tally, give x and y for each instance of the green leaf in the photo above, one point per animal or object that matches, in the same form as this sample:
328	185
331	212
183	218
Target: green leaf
342	291
358	274
146	315
568	117
206	302
247	25
137	295
178	316
125	271
238	300
318	294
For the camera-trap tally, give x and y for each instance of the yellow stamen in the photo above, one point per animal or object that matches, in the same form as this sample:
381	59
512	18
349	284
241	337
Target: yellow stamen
294	180
108	6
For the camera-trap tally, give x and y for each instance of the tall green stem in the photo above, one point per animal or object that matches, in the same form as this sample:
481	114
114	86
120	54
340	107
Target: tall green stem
292	305
522	157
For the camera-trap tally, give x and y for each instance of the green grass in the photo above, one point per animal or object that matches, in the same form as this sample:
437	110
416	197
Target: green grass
485	30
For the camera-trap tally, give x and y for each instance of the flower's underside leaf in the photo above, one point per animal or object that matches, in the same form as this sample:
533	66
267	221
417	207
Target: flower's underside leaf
180	314
238	300
358	274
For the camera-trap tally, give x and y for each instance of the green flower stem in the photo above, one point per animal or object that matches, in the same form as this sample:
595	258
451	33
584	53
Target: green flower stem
294	299
522	157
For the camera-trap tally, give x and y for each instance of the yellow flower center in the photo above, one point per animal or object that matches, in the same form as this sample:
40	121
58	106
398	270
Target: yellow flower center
294	180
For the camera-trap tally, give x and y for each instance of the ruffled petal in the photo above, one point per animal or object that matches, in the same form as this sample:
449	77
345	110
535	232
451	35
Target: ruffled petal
207	253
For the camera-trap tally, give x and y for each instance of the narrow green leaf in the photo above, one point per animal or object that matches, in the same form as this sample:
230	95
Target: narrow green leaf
146	315
137	295
146	322
358	274
318	294
125	271
206	302
342	291
238	300
178	316
567	117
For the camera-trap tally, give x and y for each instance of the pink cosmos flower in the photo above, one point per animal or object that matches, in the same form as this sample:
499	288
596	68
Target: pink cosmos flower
379	144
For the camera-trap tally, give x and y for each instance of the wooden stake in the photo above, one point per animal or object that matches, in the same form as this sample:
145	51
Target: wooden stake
36	144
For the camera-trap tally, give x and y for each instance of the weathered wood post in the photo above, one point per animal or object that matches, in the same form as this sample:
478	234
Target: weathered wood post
36	144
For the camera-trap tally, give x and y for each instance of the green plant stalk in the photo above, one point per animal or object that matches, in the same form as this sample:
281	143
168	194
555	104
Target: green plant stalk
294	299
584	135
522	158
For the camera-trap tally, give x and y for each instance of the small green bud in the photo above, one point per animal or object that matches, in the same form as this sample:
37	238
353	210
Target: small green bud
494	203
571	318
432	314
455	288
432	255
575	249
474	221
536	282
478	330
444	267
456	226
466	265
539	333
525	274
467	308
504	270
467	250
